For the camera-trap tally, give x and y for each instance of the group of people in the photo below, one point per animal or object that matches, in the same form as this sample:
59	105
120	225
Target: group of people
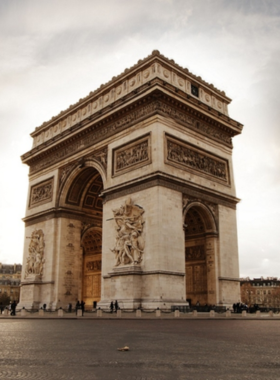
80	305
114	306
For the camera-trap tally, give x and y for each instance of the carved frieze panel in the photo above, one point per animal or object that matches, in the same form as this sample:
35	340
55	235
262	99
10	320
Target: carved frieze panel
41	193
35	259
93	266
195	253
198	161
129	244
131	156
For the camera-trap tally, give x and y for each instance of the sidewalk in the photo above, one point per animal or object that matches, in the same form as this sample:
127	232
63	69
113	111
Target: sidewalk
122	314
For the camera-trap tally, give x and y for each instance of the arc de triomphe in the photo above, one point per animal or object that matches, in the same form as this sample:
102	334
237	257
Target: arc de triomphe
132	196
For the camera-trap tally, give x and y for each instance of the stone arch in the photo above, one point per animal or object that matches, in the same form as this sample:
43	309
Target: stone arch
91	242
205	212
201	233
79	198
71	172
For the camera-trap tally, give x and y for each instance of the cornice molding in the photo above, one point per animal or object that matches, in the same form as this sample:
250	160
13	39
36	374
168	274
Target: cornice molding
173	183
153	66
157	101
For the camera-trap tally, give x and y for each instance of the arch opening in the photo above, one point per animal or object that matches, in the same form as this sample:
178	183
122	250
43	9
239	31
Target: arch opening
82	196
200	228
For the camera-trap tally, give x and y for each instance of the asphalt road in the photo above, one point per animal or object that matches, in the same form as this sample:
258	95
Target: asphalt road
159	349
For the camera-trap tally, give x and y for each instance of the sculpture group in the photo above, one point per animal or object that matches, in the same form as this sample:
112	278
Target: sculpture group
129	245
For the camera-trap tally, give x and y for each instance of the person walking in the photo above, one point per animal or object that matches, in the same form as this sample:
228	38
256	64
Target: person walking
13	308
83	307
116	305
77	306
112	306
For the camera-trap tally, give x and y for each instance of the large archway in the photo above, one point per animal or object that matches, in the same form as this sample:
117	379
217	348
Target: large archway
200	255
81	194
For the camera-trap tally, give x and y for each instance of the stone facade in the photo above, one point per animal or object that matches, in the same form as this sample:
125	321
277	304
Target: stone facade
132	195
10	275
264	292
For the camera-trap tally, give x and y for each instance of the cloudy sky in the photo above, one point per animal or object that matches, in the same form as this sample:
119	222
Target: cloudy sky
52	53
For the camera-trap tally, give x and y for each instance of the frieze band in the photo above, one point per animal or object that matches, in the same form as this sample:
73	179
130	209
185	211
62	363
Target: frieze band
131	155
41	193
102	131
185	155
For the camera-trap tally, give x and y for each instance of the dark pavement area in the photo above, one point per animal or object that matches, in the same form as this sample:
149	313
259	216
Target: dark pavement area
159	349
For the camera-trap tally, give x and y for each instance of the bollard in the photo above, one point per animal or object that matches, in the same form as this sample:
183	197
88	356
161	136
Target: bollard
79	313
41	313
23	312
176	313
119	313
228	313
258	313
60	312
270	313
212	314
244	313
194	313
138	313
99	313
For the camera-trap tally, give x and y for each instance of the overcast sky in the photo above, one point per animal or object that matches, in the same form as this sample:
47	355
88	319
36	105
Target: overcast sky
52	53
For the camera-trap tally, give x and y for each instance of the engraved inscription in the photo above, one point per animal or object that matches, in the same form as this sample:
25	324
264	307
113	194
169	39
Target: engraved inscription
41	193
198	160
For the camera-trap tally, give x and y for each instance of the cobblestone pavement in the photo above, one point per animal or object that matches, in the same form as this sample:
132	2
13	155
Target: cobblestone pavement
159	349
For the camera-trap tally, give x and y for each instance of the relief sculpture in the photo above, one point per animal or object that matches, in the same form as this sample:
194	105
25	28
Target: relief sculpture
35	260
129	245
195	253
186	156
41	193
132	156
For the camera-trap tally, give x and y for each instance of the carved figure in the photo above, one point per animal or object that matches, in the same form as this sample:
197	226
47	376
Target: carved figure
41	192
129	245
191	158
132	155
35	259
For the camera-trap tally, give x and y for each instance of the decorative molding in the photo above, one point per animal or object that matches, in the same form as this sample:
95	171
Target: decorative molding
186	156
140	110
155	66
173	183
132	155
41	193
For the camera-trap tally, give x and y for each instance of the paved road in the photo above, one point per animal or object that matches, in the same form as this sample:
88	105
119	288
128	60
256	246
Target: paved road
159	349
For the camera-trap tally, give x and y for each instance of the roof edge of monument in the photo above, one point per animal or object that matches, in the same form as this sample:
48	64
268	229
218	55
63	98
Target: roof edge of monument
121	76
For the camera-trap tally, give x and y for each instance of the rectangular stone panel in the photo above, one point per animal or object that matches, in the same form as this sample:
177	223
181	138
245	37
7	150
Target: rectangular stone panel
131	156
41	193
198	161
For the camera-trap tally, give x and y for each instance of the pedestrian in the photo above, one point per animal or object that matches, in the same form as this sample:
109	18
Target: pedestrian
83	307
112	306
116	305
70	308
44	307
77	306
13	308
